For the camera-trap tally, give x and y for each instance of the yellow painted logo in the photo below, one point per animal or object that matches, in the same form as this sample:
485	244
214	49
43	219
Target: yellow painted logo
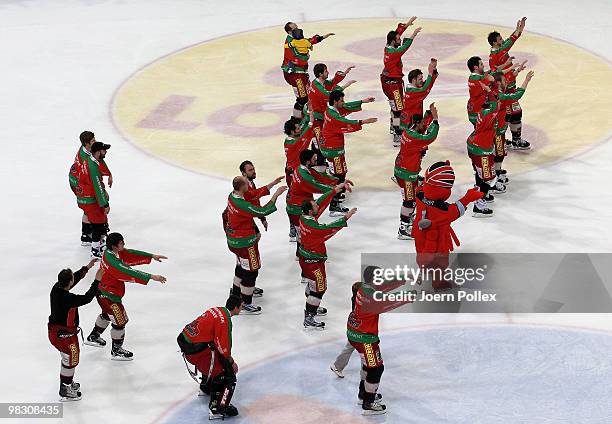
320	280
399	104
253	258
193	103
74	354
409	190
118	314
486	169
370	355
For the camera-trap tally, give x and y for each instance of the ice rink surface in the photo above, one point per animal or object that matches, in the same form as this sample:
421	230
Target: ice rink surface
63	63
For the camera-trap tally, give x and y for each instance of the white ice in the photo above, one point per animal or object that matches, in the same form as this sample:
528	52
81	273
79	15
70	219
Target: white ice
61	63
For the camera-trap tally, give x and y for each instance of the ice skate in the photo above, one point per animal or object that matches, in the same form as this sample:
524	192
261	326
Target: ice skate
377	399
373	409
68	393
118	353
397	140
85	240
96	251
498	188
405	231
481	210
94	339
258	292
336	371
521	144
337	209
321	311
310	323
218	413
502	178
250	309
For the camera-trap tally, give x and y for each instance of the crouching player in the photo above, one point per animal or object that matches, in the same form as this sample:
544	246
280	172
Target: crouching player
206	343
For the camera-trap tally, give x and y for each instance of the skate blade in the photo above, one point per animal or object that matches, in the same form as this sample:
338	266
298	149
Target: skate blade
369	412
311	328
250	313
88	343
337	214
292	240
212	416
405	237
337	372
69	399
120	358
481	215
258	295
376	402
86	243
321	314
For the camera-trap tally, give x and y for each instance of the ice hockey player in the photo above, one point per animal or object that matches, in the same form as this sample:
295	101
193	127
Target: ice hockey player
242	239
92	197
253	195
433	235
313	254
318	96
408	165
332	146
478	82
63	326
416	92
306	182
206	343
392	76
87	138
500	59
362	334
117	263
295	63
508	103
480	147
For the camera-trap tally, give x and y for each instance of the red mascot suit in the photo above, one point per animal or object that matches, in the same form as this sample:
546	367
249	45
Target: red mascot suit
433	235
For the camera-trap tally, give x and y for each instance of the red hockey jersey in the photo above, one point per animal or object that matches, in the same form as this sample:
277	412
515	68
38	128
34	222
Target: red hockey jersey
318	94
499	56
118	270
295	146
408	160
240	228
75	169
478	95
393	66
214	325
480	142
414	97
306	182
91	186
335	126
314	234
